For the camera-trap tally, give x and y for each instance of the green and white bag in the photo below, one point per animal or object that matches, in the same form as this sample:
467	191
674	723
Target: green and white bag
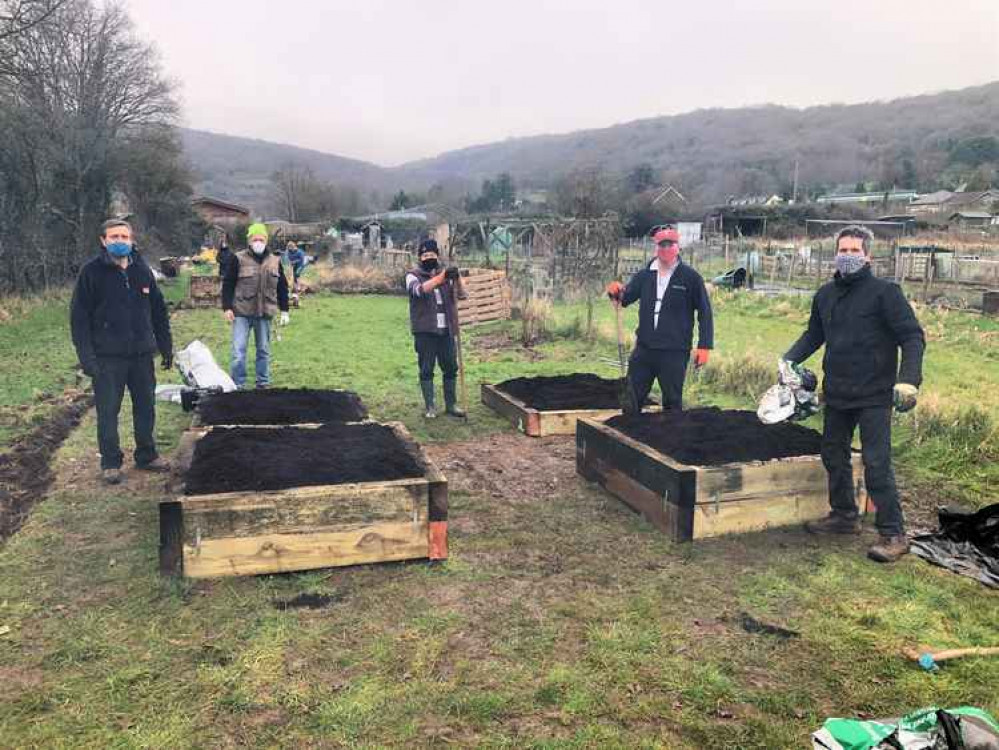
963	728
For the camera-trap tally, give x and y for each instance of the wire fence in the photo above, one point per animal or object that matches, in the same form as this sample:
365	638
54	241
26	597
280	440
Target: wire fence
948	276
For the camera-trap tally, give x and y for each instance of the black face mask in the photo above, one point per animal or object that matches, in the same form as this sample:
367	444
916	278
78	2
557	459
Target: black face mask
429	264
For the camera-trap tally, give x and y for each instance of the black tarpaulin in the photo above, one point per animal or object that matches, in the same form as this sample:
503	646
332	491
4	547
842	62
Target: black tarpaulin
967	543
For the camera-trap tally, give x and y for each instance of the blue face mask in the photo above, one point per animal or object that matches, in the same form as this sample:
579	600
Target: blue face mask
119	249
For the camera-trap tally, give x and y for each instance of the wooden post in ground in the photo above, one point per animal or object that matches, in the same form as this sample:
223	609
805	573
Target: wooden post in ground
928	275
790	270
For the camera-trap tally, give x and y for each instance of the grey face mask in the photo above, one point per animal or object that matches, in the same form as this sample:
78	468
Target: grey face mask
847	263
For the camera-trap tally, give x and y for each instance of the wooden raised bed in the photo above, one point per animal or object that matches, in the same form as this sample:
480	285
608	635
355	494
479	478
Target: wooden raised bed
205	291
695	502
489	297
535	423
302	528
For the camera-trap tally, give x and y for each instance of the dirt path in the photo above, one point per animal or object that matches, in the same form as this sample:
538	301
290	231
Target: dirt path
513	467
25	470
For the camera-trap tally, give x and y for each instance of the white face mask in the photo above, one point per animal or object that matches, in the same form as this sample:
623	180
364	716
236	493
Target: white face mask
258	247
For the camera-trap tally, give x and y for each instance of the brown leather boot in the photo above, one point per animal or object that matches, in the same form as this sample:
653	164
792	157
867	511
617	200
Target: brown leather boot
111	476
157	465
834	524
889	549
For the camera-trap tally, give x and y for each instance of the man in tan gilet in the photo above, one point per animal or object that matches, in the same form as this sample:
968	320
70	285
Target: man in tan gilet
254	289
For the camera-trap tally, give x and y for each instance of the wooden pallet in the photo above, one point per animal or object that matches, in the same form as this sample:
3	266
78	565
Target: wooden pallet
302	528
205	291
489	297
542	423
696	502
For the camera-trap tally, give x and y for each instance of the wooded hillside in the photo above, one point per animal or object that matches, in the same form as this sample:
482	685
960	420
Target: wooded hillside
913	142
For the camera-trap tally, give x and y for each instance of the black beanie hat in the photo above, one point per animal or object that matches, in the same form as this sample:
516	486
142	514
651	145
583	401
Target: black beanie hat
428	246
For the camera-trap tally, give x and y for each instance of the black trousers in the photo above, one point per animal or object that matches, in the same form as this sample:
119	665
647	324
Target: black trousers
875	446
433	349
114	375
668	367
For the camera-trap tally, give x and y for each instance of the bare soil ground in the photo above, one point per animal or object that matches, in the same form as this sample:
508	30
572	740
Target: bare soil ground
25	475
512	467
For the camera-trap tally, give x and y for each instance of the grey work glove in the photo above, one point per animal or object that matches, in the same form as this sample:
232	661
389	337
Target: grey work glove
787	373
905	397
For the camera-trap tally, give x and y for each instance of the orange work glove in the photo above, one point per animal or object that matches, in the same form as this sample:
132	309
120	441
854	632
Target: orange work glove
615	289
701	358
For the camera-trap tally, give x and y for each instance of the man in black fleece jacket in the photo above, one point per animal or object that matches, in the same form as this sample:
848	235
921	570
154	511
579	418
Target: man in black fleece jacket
119	321
863	322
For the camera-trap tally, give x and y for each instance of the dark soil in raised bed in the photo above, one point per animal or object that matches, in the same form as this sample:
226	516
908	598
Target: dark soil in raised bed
282	406
712	436
581	390
246	459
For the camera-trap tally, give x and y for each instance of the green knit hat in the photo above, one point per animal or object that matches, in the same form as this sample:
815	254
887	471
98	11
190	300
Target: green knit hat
257	229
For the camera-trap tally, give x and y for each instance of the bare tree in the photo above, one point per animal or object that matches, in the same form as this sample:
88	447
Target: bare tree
300	196
288	186
84	82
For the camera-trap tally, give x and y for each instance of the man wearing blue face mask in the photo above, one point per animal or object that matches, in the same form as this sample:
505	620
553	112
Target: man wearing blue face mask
863	321
119	321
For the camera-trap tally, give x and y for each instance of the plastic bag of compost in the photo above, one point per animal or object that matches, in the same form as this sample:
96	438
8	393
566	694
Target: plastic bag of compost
960	728
198	368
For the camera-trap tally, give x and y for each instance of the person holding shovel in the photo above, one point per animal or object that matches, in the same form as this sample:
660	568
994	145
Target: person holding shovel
433	318
669	293
864	322
254	289
119	320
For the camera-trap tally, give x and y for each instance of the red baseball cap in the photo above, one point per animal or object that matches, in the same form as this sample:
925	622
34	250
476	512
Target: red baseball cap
664	235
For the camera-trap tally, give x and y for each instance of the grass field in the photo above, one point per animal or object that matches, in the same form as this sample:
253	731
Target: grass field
561	620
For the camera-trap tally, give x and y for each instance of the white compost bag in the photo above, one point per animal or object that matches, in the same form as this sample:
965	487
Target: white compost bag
198	368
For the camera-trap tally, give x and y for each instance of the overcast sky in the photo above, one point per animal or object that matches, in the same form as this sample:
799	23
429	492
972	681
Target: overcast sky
389	81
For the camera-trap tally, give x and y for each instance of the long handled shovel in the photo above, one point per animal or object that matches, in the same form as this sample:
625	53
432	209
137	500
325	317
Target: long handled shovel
462	390
624	391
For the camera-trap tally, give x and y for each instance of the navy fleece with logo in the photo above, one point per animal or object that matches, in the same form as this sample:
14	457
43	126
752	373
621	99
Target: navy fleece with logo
119	320
663	347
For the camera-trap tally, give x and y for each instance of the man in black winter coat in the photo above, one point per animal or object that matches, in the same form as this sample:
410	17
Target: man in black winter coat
224	256
863	322
119	320
669	293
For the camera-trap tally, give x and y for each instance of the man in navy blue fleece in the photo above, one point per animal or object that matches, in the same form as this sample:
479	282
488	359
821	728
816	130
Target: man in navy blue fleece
669	293
119	320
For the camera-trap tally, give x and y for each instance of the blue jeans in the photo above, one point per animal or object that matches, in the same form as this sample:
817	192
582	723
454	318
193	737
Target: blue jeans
240	341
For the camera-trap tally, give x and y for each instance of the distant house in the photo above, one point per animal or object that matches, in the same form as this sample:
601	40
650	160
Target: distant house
222	213
909	222
964	220
978	200
898	197
931	203
756	200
